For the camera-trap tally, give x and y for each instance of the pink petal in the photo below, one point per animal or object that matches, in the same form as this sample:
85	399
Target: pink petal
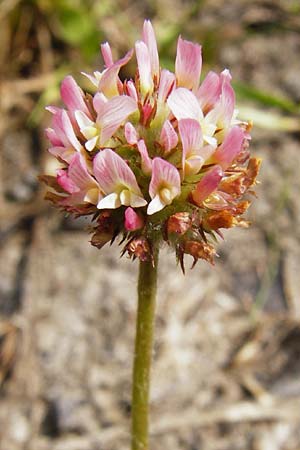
107	54
69	131
223	109
150	41
146	160
111	172
132	220
184	104
207	185
66	154
63	127
144	67
113	114
109	82
52	109
164	174
66	182
188	64
190	135
166	84
192	140
130	90
227	97
209	91
99	101
53	138
73	96
230	148
79	174
168	136
131	134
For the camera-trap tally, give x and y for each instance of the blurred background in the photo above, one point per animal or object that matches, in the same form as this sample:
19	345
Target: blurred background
226	372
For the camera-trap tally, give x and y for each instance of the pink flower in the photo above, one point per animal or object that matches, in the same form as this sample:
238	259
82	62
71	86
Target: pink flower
223	112
166	85
111	114
107	54
207	185
79	183
133	221
185	105
146	162
164	185
117	181
150	41
188	64
108	81
160	145
194	153
230	147
131	134
144	68
73	96
209	91
62	136
168	137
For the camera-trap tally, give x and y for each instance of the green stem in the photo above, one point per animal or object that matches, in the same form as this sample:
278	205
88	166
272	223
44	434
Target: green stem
143	354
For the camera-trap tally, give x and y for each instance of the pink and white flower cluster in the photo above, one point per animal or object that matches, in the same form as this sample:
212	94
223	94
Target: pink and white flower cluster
142	155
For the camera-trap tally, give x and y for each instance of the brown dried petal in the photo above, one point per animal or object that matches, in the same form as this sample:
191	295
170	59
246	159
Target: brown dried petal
252	172
139	247
53	198
199	250
100	238
233	185
219	219
179	223
51	181
242	207
105	230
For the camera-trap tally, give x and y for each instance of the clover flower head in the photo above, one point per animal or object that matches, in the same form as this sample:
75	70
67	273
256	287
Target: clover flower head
161	157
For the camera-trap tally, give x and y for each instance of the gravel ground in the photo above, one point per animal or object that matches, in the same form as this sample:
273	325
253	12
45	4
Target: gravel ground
226	361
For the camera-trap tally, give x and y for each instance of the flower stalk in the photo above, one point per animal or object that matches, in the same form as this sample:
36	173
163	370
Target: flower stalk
143	353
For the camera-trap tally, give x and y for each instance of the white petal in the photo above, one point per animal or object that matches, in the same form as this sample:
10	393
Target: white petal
155	205
210	140
193	164
91	143
111	201
83	120
136	201
184	104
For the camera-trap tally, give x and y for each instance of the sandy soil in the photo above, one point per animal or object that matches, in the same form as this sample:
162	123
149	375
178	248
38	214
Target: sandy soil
227	354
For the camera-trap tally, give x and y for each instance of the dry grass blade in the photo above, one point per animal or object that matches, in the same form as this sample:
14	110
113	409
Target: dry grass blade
8	348
236	413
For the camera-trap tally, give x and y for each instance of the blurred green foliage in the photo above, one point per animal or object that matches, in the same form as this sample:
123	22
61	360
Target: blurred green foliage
74	22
